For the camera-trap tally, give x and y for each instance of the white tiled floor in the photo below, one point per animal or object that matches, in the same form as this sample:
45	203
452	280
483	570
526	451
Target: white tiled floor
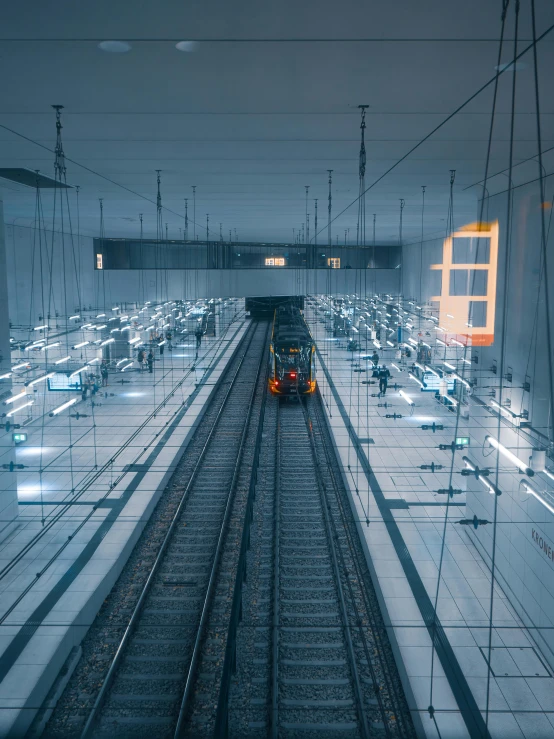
85	469
520	705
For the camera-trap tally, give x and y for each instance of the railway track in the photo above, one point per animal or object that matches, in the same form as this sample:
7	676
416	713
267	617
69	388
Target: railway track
247	608
312	653
151	635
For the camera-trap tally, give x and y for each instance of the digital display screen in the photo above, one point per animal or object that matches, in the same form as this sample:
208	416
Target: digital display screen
62	381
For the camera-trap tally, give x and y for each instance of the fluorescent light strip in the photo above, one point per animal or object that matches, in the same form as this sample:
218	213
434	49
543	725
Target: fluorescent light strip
390	343
40	328
459	343
5	377
126	359
535	493
62	407
108	341
126	366
72	318
419	366
20	408
406	397
101	315
413	377
509	455
135	340
99	328
20	366
441	342
450	366
548	473
506	412
429	369
395	367
77	372
40	379
83	343
63	359
377	344
22	394
50	346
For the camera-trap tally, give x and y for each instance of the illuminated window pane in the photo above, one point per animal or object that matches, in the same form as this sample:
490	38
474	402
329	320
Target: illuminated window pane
468	282
470	250
333	262
477	313
99	262
269	262
274	261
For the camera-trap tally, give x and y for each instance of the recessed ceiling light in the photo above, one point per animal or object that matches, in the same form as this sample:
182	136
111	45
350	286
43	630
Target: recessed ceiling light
186	46
115	47
510	67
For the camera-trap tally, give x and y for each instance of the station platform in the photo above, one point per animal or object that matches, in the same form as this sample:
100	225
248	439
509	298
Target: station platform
401	522
85	493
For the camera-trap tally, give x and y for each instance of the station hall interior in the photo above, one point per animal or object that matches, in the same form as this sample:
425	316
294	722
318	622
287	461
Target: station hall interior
276	370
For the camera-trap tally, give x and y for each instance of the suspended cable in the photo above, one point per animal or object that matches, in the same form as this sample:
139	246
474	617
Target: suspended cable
472	97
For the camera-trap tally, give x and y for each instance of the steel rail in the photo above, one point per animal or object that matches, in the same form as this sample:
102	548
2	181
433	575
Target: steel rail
331	535
230	659
274	713
104	690
191	671
360	579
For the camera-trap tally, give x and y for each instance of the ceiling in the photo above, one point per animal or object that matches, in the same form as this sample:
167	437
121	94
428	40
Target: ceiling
265	104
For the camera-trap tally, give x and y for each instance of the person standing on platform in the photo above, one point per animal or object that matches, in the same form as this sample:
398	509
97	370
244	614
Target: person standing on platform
198	334
384	375
84	391
161	347
375	359
104	373
150	360
140	359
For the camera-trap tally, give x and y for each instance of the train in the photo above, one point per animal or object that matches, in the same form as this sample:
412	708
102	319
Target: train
291	353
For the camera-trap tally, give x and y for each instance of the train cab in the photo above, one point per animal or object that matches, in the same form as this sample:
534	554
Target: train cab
292	354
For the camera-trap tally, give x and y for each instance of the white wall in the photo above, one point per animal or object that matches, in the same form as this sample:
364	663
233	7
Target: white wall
525	570
30	285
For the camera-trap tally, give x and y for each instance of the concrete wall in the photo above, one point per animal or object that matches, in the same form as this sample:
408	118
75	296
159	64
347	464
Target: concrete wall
526	528
31	289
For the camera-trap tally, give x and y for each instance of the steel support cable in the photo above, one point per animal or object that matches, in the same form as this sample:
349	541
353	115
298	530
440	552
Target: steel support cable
103	693
483	87
533	344
421	251
544	250
191	672
92	171
19	556
431	709
358	691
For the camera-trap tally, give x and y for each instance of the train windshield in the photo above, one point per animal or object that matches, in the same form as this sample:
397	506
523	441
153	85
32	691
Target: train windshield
293	357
